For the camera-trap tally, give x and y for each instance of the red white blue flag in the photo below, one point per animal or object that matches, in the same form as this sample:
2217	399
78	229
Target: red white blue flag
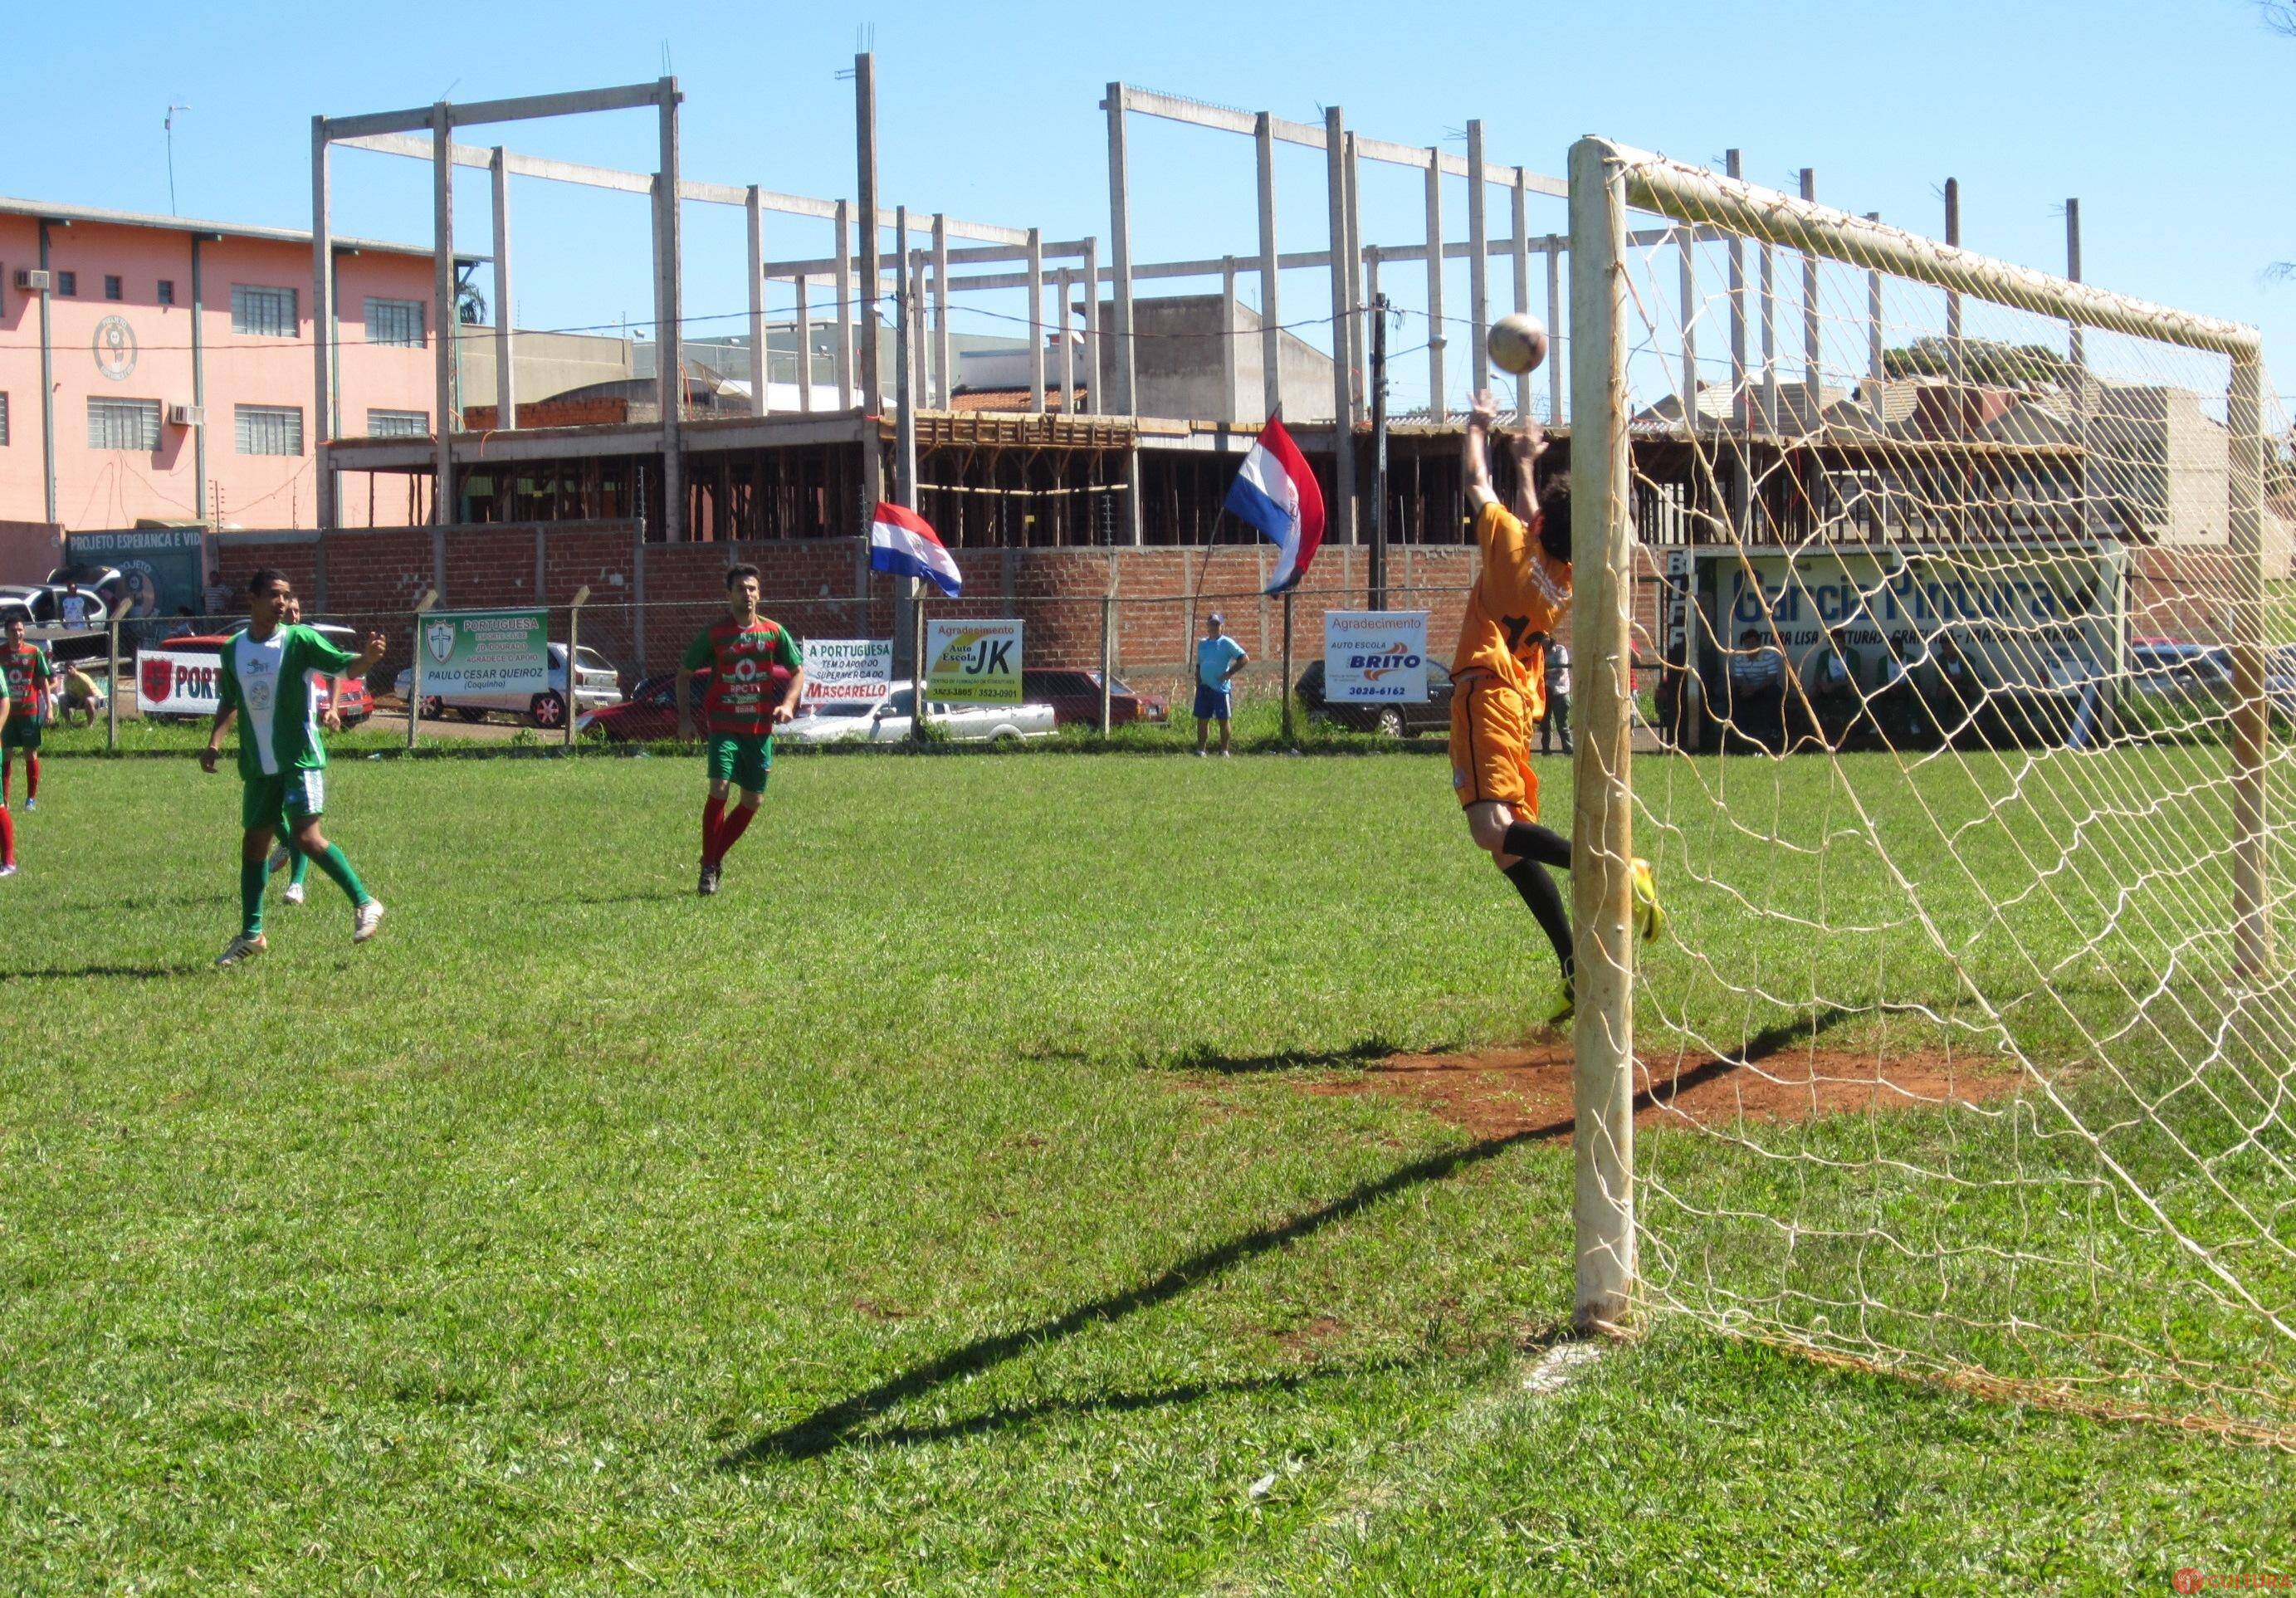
1276	493
903	543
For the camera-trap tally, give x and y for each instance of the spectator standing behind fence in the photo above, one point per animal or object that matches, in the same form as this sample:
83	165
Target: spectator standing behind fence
73	606
1556	723
1218	658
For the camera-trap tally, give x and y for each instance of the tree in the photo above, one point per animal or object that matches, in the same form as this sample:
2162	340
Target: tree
1986	361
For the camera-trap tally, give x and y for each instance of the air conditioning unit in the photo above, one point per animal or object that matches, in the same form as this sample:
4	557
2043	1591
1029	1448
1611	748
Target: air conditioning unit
187	415
31	279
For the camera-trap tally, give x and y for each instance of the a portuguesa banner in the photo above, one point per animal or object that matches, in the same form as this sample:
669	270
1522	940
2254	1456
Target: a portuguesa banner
840	670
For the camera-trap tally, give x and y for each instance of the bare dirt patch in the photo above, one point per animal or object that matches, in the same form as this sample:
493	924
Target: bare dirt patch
1526	1090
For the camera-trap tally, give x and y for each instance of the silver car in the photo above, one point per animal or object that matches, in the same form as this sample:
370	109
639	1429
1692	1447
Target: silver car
596	685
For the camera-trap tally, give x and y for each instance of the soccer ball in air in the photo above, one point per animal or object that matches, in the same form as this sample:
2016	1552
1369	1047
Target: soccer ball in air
1517	342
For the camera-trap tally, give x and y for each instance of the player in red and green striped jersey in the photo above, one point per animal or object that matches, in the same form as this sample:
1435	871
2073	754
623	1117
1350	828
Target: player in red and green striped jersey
7	822
30	680
742	651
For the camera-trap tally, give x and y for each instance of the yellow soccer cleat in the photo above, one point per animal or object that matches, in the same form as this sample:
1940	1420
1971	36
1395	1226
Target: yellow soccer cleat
1649	916
1566	1007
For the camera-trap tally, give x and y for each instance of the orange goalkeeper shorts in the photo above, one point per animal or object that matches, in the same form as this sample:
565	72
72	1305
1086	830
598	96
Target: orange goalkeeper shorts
1490	745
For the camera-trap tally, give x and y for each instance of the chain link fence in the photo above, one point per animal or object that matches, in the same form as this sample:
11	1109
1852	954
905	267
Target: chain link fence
1122	665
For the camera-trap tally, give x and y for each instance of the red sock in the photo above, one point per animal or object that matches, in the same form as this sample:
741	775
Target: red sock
7	837
31	775
737	822
7	775
713	818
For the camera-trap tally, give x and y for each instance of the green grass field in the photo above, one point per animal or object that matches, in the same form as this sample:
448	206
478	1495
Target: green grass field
938	1209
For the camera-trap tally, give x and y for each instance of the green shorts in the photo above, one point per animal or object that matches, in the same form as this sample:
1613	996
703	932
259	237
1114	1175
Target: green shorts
745	759
295	795
22	732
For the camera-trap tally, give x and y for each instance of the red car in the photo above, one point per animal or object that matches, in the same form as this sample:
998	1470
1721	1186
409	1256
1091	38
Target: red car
353	702
650	714
1075	697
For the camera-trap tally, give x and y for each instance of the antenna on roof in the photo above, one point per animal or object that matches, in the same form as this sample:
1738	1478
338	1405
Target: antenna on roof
168	122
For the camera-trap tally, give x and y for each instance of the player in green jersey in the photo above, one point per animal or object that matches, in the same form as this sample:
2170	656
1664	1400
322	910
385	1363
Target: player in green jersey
747	657
264	686
319	707
30	680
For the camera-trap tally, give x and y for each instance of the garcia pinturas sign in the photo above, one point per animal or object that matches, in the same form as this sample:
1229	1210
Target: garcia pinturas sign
1376	657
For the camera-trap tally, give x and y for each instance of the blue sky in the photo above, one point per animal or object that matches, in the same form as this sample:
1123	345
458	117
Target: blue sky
2169	121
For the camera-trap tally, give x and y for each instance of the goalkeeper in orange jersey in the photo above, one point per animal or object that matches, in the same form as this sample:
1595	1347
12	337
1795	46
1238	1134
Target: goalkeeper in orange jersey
1520	603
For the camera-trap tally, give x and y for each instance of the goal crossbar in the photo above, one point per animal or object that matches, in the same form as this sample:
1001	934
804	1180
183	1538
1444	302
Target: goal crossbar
1695	196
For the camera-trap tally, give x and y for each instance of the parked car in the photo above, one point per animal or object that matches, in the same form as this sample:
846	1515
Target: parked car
649	713
1075	697
353	703
74	646
44	601
1391	720
107	583
2198	677
596	685
886	720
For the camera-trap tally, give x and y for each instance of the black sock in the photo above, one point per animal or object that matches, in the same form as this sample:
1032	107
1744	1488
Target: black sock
1527	840
1546	901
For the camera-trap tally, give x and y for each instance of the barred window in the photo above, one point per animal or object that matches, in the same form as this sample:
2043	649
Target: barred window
123	424
68	284
114	289
395	322
268	430
166	291
3	421
266	313
397	424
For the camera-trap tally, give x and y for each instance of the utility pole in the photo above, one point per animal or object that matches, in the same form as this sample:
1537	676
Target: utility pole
1379	452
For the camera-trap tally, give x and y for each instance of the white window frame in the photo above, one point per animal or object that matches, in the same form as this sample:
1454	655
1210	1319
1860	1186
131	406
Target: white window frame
395	338
281	423
245	304
403	424
109	419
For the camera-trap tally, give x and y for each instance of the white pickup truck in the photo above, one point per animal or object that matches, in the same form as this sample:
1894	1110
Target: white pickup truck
886	720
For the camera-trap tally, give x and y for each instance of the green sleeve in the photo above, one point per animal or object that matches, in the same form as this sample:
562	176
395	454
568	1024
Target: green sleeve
227	682
698	653
787	652
44	670
308	650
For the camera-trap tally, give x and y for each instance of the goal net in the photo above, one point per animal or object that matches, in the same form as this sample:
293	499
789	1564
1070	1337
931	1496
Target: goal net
1958	598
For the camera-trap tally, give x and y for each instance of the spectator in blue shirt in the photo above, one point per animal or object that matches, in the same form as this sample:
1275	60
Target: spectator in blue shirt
1218	658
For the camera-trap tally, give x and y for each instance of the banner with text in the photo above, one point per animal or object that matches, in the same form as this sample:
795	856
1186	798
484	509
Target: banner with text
164	569
973	662
485	651
840	670
1375	656
2022	617
171	682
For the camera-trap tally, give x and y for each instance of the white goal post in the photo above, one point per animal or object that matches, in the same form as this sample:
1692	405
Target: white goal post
1608	182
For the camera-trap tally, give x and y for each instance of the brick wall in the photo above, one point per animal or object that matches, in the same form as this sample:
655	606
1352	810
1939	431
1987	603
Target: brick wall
822	587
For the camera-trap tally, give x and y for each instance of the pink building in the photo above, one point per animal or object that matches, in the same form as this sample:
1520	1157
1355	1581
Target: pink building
176	363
